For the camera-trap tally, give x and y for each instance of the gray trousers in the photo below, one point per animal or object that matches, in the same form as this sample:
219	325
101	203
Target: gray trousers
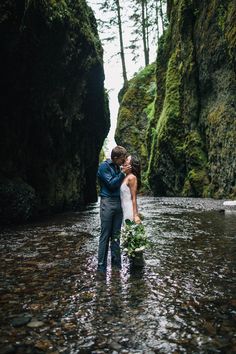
111	220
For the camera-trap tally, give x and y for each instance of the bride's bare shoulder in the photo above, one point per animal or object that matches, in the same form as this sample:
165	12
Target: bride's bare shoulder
132	178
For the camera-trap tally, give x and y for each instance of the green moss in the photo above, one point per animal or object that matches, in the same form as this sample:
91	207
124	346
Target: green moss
136	106
143	76
221	133
130	95
196	184
145	186
233	192
152	163
169	128
230	31
124	112
195	154
171	108
150	110
221	17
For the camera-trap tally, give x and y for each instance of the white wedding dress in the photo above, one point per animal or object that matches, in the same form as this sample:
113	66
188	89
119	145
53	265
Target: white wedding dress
126	202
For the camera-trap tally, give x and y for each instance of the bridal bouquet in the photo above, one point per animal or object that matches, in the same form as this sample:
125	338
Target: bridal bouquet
133	238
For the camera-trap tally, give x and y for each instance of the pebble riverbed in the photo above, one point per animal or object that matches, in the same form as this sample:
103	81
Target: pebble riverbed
181	300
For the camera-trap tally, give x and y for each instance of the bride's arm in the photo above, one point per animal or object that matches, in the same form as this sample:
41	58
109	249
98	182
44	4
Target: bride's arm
133	185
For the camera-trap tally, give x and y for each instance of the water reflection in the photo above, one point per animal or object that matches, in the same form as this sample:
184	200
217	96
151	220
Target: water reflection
180	299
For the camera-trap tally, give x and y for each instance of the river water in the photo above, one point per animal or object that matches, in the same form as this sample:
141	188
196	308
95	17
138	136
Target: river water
181	300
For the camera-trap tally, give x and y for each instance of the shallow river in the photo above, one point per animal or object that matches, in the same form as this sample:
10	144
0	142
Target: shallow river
182	300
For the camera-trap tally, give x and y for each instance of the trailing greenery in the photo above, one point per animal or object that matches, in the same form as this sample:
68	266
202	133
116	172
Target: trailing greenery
133	238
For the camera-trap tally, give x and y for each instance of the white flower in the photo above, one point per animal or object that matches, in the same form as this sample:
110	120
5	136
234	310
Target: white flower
139	249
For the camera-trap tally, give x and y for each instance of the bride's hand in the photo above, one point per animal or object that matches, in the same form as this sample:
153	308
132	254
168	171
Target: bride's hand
137	219
126	168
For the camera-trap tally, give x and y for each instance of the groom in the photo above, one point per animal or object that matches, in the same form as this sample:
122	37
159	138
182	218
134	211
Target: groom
110	177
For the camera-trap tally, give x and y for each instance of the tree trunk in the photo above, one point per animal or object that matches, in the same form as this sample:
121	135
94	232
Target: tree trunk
157	21
162	17
144	33
122	53
147	30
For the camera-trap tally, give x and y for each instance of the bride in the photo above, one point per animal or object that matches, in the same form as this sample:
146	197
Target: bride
128	191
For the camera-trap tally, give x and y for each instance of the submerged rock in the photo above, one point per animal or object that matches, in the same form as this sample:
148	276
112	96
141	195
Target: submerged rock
21	320
35	324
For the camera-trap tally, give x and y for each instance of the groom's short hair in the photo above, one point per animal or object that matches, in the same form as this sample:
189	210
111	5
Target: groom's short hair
118	151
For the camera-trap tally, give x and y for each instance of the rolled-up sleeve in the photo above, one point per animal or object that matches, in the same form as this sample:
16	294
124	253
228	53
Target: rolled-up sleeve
105	175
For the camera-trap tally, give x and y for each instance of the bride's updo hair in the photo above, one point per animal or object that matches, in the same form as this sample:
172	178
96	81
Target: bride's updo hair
136	168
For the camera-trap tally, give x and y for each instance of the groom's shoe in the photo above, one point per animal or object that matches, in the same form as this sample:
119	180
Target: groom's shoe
100	275
116	271
116	266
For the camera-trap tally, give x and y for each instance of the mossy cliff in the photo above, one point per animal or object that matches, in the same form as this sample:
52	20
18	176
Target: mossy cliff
136	109
54	112
192	136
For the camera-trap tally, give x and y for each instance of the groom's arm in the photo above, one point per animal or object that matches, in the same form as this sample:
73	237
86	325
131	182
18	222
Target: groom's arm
105	175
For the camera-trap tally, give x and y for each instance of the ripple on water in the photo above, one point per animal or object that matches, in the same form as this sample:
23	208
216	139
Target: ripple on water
182	299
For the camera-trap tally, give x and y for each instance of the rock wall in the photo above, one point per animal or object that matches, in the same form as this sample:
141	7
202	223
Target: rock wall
192	136
54	112
136	110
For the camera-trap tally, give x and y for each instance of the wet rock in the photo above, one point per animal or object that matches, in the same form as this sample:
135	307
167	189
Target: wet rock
43	344
20	349
63	233
124	341
114	345
35	307
87	345
102	344
86	297
7	350
70	327
233	302
35	324
21	321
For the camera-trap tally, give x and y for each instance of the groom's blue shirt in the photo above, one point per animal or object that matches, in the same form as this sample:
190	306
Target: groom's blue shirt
110	178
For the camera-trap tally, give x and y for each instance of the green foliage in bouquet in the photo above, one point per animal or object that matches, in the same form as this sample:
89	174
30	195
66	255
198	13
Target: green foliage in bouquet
133	238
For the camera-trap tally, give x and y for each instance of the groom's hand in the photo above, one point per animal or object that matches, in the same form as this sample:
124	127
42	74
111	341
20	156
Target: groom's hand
126	169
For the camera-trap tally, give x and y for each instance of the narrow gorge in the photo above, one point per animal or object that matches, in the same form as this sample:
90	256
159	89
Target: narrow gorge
138	270
177	114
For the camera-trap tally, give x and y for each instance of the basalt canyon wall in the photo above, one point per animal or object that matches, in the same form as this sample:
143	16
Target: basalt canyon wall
191	137
136	109
54	112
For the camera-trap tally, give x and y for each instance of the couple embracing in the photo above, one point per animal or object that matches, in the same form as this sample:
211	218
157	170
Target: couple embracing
118	178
